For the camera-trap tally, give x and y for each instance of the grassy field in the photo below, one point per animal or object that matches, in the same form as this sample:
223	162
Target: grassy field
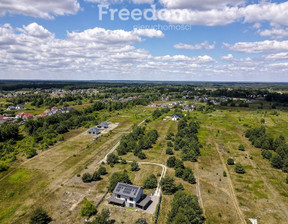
260	192
49	179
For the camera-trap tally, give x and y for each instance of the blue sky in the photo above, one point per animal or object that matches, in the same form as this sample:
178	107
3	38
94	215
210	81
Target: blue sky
223	40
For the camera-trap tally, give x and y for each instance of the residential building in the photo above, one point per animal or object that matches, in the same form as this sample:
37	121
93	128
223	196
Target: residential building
127	195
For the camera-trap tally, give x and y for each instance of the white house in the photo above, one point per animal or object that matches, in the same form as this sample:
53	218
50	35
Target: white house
127	195
175	117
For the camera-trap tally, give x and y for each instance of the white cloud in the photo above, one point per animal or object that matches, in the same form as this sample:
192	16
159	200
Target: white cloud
228	57
276	33
275	13
266	46
196	5
40	9
278	56
121	1
205	45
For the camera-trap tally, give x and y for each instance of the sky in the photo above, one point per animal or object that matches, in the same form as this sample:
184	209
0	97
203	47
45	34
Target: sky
165	40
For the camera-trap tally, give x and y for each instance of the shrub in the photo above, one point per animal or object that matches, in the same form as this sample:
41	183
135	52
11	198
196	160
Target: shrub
150	182
96	176
241	147
86	178
39	216
3	166
134	166
169	151
239	169
88	208
168	185
230	161
171	161
102	170
276	161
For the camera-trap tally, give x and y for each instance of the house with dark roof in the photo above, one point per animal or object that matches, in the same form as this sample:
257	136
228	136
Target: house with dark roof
175	117
20	107
11	108
127	195
93	131
103	125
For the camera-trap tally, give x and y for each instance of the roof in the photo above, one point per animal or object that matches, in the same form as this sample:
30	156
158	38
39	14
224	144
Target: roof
176	115
116	200
144	202
103	124
127	190
28	115
94	129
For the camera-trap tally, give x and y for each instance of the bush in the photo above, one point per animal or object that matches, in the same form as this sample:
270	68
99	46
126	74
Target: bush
171	161
287	179
168	185
102	170
88	208
241	147
230	161
150	182
266	154
134	166
3	166
30	152
224	174
39	216
169	144
169	151
276	161
239	169
86	178
179	172
96	176
142	155
112	159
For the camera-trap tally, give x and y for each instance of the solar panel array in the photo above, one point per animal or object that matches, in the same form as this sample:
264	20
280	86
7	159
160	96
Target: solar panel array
126	189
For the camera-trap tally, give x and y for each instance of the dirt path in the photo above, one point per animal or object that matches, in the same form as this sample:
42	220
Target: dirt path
118	143
232	191
198	187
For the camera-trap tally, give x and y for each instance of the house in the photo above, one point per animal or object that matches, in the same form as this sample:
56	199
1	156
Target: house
54	108
19	107
11	108
46	111
176	117
130	196
93	131
186	108
27	116
103	125
41	115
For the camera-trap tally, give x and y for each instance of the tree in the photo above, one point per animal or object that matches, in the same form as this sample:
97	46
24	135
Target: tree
180	187
157	113
171	161
118	177
88	208
241	147
3	166
112	159
179	172
266	154
230	161
150	182
287	179
141	221
86	178
102	218
102	170
185	209
134	166
169	144
30	153
169	151
142	155
276	161
96	176
39	216
239	169
168	185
